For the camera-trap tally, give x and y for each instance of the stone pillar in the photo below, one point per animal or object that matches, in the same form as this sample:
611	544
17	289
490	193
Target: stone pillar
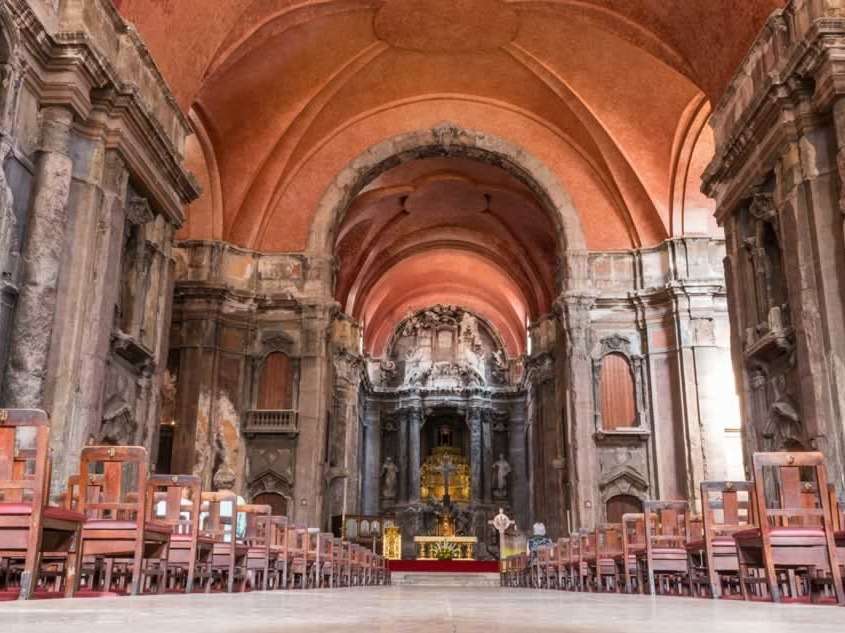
475	453
578	406
372	460
487	457
414	423
404	458
43	250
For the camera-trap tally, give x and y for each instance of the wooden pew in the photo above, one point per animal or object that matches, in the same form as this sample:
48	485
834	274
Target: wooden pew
633	546
727	507
176	500
219	519
663	563
116	526
31	530
260	557
794	543
608	548
837	506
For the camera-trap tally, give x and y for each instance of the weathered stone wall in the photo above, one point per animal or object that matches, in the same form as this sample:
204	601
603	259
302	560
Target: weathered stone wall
91	192
777	180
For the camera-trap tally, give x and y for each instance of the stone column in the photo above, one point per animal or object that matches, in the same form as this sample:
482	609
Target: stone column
404	459
43	250
414	422
475	453
575	310
487	457
372	460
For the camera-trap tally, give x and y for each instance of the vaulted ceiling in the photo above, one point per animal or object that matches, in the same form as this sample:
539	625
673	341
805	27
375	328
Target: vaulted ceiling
612	96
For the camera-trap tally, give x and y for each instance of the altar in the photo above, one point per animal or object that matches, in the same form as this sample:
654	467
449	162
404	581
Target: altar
432	547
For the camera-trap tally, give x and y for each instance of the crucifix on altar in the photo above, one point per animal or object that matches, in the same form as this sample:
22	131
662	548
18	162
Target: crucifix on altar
447	468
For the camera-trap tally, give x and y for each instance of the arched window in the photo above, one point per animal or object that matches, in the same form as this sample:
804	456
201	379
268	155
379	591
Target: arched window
620	505
276	387
618	404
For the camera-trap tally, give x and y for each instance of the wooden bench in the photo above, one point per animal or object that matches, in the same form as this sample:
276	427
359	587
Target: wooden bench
116	527
794	543
37	540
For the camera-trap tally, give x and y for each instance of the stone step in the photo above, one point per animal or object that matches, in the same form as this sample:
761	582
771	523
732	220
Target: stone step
444	579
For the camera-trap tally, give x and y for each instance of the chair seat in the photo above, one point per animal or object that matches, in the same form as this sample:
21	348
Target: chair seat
49	512
753	534
186	538
109	524
719	541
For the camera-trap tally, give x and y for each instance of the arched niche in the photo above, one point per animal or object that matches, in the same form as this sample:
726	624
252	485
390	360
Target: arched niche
618	387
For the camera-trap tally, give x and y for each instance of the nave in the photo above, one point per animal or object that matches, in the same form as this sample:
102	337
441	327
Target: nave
403	609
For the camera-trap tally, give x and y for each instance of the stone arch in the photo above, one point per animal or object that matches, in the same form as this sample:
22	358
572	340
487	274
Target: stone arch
448	140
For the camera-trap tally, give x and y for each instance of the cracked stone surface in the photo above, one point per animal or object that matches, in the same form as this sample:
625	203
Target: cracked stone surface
412	609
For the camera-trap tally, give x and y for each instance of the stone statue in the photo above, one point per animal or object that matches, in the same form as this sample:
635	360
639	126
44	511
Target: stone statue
501	470
8	222
390	475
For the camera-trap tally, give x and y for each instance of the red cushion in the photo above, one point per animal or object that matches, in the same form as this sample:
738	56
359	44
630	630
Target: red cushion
50	512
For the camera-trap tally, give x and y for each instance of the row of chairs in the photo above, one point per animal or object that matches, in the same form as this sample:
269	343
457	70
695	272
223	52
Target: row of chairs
120	529
780	537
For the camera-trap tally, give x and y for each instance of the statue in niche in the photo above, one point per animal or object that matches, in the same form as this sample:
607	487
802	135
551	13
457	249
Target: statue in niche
501	470
783	427
390	478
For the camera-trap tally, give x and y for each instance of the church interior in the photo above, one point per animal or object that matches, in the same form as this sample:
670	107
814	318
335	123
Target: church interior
442	315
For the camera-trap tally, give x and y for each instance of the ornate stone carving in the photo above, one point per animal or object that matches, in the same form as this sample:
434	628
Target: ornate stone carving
8	221
138	210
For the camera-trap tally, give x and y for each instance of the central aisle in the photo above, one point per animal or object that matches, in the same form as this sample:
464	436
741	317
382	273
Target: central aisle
412	610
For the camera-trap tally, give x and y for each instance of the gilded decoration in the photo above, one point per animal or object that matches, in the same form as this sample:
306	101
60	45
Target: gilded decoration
436	469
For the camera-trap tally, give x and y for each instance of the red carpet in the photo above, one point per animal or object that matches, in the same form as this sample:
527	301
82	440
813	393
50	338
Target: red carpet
450	566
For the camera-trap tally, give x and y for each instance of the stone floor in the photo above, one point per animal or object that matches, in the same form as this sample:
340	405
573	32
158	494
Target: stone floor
414	609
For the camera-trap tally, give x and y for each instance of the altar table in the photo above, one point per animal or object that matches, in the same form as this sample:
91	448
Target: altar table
464	544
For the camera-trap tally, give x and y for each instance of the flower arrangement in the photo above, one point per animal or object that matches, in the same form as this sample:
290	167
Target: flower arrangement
444	550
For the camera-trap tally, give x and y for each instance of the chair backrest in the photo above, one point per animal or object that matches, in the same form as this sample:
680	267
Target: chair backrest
24	457
219	515
257	532
666	524
279	532
588	544
575	547
563	550
633	533
176	501
726	507
113	482
609	540
790	490
837	507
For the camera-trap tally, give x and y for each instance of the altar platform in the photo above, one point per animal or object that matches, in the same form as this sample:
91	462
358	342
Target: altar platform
445	573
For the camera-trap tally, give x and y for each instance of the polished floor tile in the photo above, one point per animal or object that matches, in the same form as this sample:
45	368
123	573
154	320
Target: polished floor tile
412	610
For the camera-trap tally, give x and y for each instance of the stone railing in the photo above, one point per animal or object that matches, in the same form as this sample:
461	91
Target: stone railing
280	421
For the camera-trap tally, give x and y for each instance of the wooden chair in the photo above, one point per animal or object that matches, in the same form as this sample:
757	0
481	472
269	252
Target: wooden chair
574	565
608	548
587	555
794	543
563	578
727	508
837	506
260	557
279	551
303	554
219	520
31	530
116	527
176	500
323	568
633	546
663	563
